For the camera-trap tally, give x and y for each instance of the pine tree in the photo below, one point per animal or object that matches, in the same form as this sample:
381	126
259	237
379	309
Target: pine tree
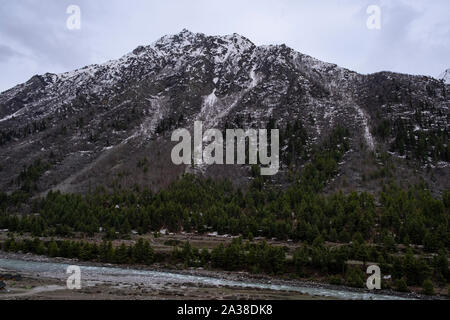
53	249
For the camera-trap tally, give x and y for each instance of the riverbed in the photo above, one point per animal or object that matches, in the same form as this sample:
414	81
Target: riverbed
106	281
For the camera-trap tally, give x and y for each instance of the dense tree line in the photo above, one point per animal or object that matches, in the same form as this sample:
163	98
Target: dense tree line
296	141
407	270
29	176
140	253
404	217
253	257
414	142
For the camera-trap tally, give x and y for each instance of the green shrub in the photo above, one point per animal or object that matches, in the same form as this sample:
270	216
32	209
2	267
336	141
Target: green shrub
428	287
172	243
355	278
386	285
400	285
335	280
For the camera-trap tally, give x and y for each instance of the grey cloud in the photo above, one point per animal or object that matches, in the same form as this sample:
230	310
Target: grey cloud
6	53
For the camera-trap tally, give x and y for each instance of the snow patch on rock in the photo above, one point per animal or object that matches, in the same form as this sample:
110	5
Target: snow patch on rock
364	118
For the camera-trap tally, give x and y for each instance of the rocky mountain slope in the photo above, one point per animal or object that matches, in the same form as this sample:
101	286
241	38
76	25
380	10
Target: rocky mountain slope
110	124
445	76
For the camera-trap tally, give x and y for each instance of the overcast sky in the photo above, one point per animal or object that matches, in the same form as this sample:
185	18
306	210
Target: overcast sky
414	36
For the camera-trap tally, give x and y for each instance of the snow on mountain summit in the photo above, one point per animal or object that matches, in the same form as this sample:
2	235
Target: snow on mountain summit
104	113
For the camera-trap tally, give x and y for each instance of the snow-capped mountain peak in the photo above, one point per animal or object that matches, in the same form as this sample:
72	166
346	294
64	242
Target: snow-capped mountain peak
97	116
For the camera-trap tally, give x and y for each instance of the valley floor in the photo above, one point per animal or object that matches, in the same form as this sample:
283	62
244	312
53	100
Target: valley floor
45	279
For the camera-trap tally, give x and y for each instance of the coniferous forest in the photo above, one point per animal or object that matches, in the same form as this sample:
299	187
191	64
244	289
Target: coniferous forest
404	231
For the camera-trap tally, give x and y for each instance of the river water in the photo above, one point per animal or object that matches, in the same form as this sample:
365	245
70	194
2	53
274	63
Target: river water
157	279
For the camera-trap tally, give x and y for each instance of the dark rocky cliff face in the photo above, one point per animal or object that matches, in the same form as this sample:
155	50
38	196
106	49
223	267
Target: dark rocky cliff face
111	124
